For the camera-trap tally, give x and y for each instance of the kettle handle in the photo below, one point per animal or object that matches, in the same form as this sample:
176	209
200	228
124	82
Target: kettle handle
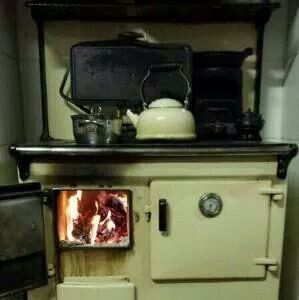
130	36
165	67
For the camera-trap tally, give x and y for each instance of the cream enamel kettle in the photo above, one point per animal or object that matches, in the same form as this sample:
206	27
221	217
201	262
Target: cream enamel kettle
165	118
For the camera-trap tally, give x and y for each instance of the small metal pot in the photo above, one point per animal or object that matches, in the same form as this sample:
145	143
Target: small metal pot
95	129
249	126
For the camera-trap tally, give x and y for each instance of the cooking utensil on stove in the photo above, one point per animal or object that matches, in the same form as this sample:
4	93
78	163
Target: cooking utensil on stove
249	126
165	118
96	129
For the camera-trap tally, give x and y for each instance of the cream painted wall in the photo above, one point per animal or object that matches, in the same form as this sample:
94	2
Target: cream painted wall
29	72
273	73
206	37
11	119
60	36
290	133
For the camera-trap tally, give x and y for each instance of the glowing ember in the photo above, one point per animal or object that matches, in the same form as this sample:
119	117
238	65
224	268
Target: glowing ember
93	218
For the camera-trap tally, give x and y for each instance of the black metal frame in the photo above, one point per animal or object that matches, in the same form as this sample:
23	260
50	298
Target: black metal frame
149	10
190	12
55	152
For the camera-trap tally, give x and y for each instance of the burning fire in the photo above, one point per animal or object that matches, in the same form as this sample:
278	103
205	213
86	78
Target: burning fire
95	221
96	218
72	214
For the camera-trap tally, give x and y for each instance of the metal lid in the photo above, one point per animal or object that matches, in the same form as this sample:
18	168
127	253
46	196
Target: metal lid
165	103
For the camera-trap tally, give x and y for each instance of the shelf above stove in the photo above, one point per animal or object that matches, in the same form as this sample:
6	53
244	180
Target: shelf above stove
61	151
152	11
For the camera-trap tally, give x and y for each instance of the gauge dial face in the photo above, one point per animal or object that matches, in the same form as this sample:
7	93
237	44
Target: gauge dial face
210	205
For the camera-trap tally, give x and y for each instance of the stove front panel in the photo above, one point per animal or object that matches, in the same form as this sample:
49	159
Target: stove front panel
208	229
135	263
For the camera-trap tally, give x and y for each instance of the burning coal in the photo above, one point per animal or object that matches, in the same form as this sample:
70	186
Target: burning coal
93	218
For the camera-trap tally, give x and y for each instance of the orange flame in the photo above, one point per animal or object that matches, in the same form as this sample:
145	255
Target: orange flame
92	217
72	214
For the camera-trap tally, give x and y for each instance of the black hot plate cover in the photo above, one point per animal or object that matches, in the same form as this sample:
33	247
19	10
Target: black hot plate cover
112	71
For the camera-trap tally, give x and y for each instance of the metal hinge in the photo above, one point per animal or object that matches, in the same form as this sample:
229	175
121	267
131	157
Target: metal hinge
276	194
51	270
147	212
270	263
48	197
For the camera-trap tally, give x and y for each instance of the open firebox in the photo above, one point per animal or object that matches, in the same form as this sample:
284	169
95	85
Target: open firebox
84	218
97	218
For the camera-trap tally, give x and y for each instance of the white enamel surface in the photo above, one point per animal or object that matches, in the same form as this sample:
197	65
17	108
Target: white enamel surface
60	36
166	123
196	238
165	102
94	288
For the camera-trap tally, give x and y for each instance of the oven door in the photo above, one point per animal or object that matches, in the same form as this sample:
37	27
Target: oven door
208	229
22	251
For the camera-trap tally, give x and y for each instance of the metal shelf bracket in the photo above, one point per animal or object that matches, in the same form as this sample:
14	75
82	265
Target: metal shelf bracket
284	161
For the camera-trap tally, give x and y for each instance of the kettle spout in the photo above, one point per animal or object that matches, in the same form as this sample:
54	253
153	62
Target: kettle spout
133	117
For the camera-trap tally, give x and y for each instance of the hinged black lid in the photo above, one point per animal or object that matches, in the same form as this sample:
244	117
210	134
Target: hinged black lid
21	220
22	251
112	71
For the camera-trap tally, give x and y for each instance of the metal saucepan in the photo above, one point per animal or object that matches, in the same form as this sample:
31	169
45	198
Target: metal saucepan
96	129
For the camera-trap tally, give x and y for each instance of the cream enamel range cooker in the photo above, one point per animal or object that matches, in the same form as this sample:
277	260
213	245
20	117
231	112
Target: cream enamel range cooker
150	222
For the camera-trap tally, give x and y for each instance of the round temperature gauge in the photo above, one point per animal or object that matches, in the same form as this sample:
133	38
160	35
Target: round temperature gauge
210	205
